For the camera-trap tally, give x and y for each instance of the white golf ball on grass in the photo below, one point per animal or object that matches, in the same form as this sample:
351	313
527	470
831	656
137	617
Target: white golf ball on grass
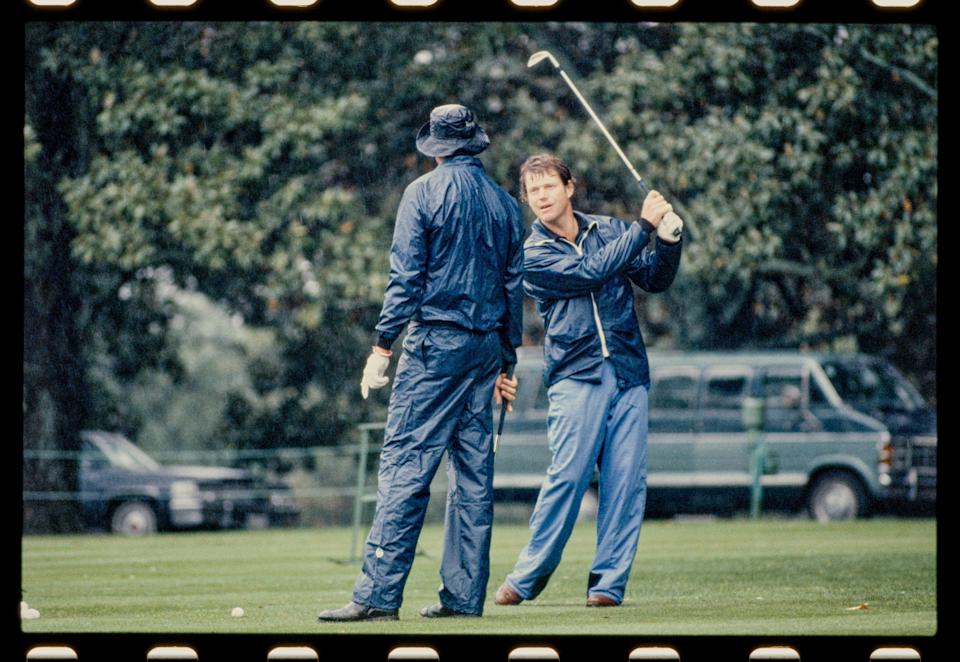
237	612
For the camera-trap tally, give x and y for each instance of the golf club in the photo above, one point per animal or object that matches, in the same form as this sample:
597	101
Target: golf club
540	56
503	415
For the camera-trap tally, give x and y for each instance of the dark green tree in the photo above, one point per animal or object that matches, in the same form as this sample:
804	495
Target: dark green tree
260	164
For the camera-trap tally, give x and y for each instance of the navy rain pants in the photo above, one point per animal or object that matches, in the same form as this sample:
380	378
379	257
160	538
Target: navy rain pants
441	400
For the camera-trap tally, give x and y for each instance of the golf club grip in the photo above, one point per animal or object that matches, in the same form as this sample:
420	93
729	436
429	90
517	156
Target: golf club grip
503	415
646	191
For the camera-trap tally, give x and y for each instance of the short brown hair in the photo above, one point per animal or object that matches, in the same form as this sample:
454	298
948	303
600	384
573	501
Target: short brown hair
542	164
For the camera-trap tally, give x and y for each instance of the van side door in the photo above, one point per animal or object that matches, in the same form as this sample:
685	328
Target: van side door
722	445
674	398
793	433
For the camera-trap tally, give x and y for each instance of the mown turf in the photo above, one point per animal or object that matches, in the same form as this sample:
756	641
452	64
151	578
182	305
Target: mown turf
726	577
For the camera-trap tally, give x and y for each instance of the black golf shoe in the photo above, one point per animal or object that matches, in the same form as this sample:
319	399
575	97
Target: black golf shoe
440	611
358	612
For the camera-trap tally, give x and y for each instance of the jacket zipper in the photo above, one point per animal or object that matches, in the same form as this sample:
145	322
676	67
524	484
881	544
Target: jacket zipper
596	311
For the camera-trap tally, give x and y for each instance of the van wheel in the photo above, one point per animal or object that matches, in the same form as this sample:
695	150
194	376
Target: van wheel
134	518
836	495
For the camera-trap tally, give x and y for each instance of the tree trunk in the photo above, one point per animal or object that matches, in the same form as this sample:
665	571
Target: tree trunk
53	406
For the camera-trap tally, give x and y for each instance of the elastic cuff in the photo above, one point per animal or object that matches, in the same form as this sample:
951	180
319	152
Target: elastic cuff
647	225
669	244
385	342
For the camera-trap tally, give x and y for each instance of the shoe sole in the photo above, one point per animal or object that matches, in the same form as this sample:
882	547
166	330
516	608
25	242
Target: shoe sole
358	620
431	612
602	605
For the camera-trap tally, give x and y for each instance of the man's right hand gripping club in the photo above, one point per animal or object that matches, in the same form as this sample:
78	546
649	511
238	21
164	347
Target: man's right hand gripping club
505	390
374	372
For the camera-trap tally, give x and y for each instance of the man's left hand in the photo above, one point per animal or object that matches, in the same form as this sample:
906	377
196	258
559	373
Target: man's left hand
670	228
505	390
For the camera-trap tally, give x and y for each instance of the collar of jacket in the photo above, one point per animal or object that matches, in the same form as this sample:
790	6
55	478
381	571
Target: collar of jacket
461	159
584	222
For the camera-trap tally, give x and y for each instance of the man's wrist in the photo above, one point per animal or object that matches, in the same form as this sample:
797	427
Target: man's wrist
385	342
377	349
647	225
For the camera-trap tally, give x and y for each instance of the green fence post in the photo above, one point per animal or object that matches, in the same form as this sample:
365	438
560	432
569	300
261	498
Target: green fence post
361	486
754	414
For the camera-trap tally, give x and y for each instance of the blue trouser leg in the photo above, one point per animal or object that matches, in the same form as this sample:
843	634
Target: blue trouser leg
622	494
465	567
576	425
440	376
590	424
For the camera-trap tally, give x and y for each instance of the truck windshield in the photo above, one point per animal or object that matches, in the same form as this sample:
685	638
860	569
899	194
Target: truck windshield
867	385
122	453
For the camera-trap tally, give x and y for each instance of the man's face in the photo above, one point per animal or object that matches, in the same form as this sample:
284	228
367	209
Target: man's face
548	196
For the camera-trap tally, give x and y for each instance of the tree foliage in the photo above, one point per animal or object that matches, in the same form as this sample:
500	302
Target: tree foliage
261	163
805	158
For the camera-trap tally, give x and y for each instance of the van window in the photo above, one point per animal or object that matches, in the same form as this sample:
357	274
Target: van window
783	389
871	384
725	390
674	391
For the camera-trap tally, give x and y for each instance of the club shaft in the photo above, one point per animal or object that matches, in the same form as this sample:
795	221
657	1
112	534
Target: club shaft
606	133
644	189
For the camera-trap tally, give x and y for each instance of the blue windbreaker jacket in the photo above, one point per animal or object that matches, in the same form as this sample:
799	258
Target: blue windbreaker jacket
583	292
457	256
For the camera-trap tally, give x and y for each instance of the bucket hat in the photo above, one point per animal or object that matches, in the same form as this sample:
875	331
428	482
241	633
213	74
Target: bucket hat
452	128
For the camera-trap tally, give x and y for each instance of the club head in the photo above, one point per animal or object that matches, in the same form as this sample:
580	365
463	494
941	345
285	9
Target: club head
540	56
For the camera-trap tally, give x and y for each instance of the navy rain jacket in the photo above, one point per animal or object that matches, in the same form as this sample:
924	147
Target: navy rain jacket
583	292
457	257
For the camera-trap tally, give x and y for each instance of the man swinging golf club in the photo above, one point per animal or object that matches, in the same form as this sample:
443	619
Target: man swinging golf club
578	268
455	275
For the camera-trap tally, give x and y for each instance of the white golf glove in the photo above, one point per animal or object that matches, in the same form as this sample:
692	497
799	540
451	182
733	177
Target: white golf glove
670	228
373	373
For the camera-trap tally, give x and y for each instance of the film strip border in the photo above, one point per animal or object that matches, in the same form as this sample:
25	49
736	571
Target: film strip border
519	4
498	648
57	647
489	10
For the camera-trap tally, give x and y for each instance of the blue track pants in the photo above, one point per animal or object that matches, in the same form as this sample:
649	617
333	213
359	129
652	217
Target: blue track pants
590	425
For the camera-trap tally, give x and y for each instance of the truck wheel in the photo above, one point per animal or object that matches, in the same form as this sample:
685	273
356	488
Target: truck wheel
134	518
836	495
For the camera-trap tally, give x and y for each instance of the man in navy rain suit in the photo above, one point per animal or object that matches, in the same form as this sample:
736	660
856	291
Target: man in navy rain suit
578	268
456	277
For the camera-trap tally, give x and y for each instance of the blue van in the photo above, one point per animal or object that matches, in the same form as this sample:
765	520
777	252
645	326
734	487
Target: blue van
845	434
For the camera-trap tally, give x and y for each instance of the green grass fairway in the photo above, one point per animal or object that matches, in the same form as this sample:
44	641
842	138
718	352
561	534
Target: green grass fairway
725	577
